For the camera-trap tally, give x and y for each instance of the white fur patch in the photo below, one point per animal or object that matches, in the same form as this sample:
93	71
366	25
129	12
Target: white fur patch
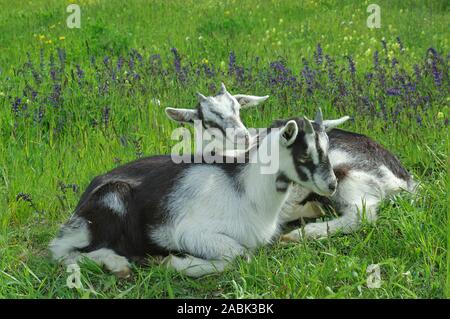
312	150
392	183
75	234
195	267
107	257
338	157
218	216
114	202
323	143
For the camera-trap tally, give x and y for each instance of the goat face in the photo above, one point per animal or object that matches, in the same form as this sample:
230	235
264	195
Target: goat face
219	112
305	148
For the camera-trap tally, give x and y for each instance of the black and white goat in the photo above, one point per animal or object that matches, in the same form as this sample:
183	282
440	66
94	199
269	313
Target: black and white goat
366	171
212	213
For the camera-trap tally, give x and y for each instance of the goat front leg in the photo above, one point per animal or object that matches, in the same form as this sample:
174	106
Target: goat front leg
357	197
347	223
217	251
291	212
195	267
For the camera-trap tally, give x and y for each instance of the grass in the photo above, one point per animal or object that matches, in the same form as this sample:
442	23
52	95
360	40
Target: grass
58	140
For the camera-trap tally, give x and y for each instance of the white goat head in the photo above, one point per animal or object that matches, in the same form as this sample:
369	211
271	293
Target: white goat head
219	112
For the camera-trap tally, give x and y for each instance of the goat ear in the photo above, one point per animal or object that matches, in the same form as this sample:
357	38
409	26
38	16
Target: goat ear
289	133
182	115
249	100
223	89
331	124
307	126
201	98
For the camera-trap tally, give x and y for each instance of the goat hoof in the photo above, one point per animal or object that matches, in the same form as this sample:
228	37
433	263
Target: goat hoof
166	261
123	273
293	237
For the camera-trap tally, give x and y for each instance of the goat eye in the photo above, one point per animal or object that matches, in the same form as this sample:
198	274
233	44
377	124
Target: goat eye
303	159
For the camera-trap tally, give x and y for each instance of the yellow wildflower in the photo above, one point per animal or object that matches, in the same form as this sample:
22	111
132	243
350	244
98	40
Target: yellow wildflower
62	38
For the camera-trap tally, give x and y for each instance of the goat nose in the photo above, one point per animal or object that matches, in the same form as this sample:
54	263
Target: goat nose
332	186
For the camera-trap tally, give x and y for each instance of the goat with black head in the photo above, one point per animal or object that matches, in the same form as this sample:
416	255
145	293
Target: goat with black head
210	212
366	173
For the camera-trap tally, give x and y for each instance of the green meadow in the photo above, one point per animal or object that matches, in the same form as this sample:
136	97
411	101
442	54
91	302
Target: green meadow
75	103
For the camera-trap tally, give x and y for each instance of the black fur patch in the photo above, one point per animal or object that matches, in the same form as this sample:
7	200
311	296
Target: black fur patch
341	171
370	154
299	148
142	187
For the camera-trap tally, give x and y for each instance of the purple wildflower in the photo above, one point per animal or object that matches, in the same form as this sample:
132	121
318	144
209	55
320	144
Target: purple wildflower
53	74
376	61
80	72
417	72
394	62
15	106
369	77
105	115
176	60
419	120
55	97
39	114
433	52
393	91
351	65
106	61
131	63
155	58
318	55
330	69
